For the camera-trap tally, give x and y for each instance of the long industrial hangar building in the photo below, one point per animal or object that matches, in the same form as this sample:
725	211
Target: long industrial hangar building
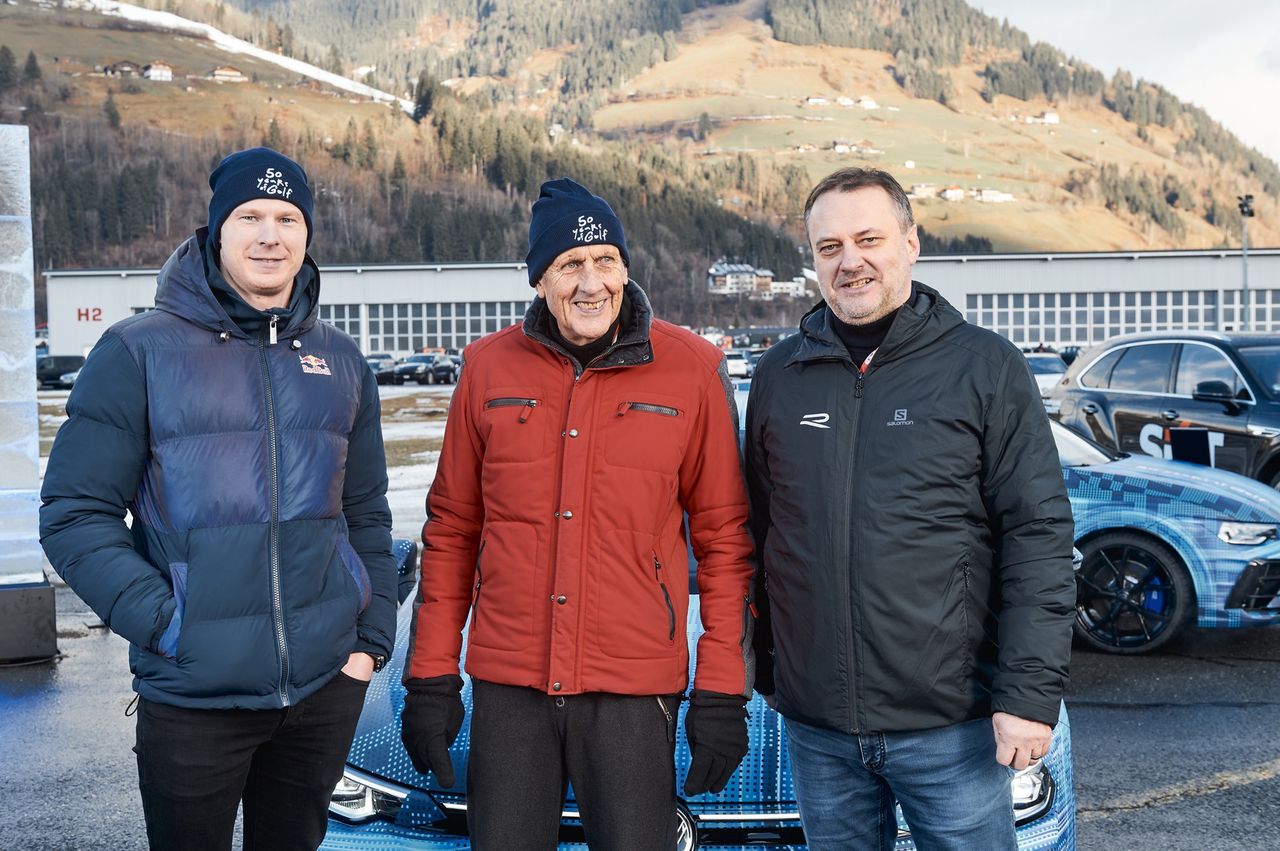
1055	299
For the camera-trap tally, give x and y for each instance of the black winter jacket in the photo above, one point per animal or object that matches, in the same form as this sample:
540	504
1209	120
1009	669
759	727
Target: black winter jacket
913	528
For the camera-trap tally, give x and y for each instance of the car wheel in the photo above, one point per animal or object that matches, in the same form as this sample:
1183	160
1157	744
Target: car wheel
1132	594
686	828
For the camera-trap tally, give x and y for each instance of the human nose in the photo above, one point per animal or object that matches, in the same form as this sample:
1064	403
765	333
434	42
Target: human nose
592	277
268	232
851	259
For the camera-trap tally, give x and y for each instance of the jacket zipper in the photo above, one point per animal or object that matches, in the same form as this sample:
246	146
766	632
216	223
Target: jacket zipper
277	607
555	527
671	725
845	564
647	408
513	402
475	600
666	596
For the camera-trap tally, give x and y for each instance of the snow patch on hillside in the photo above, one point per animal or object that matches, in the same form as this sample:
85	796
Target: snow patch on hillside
175	23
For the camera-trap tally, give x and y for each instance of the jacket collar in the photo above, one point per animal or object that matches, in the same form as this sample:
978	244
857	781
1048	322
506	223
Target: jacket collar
183	290
924	317
632	347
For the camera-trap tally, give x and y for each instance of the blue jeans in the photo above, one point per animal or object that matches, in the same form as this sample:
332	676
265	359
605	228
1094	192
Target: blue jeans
952	791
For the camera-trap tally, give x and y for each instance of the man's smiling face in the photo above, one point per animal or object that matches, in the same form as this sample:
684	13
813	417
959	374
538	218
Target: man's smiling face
583	289
263	243
861	253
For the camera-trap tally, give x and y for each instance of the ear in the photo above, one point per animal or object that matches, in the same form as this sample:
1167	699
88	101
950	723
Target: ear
540	289
913	243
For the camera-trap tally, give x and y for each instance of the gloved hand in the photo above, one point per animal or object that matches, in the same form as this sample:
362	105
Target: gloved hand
431	720
716	726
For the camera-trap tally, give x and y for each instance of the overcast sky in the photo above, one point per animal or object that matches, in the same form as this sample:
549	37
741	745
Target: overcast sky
1223	56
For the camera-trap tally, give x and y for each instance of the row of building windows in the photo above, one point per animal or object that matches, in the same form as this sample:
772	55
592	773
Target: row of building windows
411	327
1086	318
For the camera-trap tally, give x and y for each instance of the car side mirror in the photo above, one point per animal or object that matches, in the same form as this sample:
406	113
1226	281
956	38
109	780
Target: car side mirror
1216	391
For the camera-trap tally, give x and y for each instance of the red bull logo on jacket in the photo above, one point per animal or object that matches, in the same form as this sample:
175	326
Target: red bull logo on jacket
313	365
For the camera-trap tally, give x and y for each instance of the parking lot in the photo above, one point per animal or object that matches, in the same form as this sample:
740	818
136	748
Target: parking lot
1175	750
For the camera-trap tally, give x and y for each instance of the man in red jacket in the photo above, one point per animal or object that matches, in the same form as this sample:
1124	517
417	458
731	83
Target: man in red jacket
576	444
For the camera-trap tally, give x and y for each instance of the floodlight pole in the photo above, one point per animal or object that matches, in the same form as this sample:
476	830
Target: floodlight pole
1246	213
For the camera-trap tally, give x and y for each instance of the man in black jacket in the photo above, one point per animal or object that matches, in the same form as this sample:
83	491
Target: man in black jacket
915	543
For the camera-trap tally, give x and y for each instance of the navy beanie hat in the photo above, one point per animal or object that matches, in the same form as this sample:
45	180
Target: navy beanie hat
257	173
565	216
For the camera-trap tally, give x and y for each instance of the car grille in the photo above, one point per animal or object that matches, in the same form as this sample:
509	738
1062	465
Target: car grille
1257	589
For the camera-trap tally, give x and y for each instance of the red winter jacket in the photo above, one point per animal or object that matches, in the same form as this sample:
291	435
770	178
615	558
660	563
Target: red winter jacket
557	516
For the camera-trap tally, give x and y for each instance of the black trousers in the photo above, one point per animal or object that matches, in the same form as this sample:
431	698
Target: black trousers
618	751
195	766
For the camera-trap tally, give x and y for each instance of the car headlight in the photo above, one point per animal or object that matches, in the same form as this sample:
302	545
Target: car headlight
1246	534
1032	789
353	800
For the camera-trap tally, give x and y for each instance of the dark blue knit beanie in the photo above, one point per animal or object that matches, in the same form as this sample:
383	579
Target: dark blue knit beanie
565	216
257	173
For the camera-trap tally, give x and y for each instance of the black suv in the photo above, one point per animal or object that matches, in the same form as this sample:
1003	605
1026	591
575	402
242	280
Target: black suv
1194	395
51	368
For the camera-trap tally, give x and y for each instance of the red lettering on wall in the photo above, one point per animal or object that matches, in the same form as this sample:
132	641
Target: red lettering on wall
89	314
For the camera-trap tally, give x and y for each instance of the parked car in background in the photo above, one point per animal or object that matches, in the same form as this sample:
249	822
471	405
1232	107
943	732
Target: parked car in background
1046	368
1166	545
384	369
413	368
57	372
383	802
1195	394
436	368
739	364
443	369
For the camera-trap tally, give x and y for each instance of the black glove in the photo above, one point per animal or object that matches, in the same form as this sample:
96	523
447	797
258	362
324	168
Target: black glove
716	726
431	720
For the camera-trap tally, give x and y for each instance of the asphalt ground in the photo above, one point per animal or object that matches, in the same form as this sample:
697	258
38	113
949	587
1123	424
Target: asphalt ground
1177	750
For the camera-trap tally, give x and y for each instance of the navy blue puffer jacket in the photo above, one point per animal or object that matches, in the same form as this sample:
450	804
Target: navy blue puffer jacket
259	555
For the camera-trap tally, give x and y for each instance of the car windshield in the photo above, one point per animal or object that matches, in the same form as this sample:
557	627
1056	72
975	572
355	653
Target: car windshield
1264	363
1077	451
1046	365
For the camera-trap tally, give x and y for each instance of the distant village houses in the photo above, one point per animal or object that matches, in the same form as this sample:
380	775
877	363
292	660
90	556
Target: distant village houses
993	196
227	74
123	68
159	71
756	284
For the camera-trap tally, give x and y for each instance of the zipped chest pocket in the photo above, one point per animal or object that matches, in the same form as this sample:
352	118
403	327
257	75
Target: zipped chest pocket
625	408
647	431
512	426
526	406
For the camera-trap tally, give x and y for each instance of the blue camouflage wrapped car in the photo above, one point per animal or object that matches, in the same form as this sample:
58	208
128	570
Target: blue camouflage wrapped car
383	803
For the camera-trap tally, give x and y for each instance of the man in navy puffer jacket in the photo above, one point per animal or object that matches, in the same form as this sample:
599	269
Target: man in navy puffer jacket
255	582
